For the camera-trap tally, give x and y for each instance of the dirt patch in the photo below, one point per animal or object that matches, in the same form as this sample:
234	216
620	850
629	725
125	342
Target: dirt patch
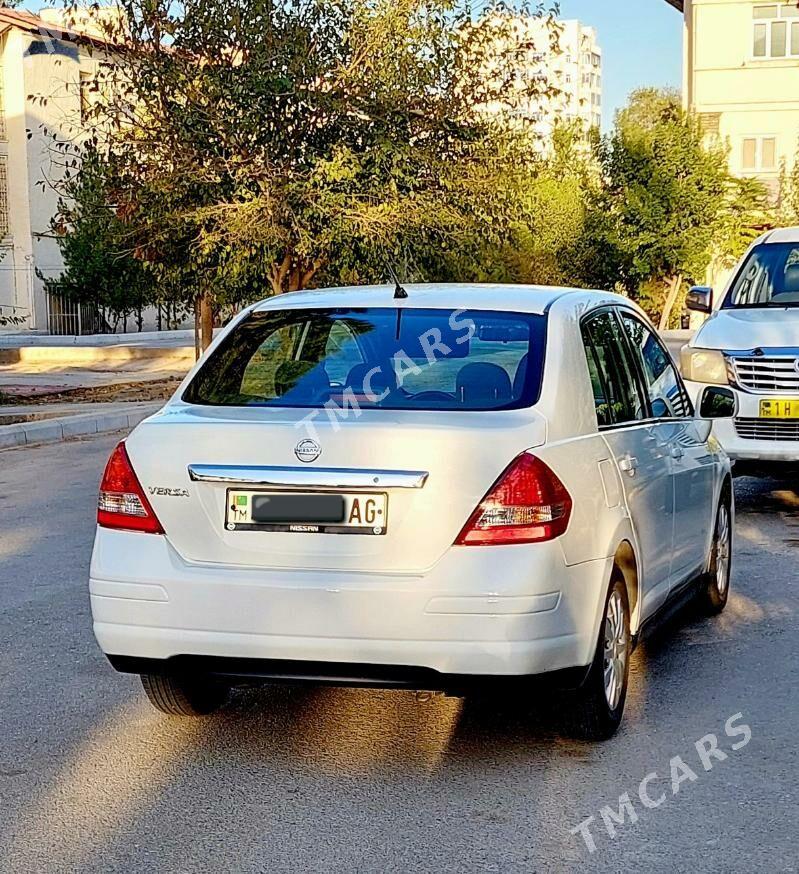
152	390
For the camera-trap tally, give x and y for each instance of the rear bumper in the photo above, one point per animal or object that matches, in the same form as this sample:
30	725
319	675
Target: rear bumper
491	611
743	449
359	675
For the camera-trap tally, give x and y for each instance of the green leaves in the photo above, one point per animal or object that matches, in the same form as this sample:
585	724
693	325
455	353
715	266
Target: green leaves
667	205
264	145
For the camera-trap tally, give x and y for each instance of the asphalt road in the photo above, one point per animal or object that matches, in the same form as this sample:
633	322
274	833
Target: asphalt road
92	779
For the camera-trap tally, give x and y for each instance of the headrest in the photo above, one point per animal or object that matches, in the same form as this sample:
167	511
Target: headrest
791	281
308	376
521	375
483	385
379	380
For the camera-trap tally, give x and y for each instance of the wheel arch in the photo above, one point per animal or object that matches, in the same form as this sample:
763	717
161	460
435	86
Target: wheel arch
626	564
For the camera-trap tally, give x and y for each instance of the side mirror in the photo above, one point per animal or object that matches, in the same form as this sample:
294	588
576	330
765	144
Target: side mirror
700	299
718	402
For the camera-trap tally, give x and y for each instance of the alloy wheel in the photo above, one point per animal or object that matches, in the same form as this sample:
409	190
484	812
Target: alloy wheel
723	550
615	655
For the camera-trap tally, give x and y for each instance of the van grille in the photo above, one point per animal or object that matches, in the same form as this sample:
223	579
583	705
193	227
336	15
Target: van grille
767	429
765	374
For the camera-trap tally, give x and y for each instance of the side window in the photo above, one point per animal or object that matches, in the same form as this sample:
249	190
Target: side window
667	395
616	394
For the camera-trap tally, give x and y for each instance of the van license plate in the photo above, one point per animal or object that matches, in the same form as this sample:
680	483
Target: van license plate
779	408
306	512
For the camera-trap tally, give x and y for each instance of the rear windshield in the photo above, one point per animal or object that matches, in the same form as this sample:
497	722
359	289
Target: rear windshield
391	359
769	277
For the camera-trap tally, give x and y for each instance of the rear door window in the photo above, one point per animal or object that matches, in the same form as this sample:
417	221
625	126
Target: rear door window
385	358
617	397
668	397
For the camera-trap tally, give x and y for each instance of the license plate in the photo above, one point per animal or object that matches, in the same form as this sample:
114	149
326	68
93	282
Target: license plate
306	512
779	408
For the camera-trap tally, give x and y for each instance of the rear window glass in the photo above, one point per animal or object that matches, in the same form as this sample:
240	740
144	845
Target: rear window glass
381	358
769	277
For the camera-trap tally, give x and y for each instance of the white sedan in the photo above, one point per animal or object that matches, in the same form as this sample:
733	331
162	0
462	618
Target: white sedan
443	487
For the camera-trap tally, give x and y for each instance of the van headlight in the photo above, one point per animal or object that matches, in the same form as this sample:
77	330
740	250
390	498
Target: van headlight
704	365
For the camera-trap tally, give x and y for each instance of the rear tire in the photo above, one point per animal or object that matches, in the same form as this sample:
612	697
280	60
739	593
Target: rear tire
715	586
178	695
597	707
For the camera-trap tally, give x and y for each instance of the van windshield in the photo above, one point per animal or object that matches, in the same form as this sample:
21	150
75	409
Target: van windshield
412	359
768	278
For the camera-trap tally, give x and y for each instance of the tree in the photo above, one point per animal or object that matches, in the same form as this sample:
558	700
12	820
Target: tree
788	212
667	204
100	267
280	142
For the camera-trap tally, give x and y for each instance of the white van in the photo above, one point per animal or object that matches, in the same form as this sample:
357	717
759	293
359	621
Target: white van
751	344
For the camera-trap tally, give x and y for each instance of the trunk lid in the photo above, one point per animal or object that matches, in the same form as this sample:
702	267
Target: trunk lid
463	454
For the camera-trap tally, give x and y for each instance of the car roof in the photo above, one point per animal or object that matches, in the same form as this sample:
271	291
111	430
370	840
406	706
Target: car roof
781	235
536	299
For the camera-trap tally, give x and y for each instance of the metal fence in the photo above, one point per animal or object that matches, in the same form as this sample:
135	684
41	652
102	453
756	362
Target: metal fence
65	316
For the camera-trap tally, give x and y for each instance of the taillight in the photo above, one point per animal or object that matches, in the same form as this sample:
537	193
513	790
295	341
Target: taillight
527	504
122	502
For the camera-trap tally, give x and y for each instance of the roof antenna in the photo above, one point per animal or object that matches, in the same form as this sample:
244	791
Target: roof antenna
399	291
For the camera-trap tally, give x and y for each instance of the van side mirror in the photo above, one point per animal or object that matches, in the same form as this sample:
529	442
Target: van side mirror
700	299
718	402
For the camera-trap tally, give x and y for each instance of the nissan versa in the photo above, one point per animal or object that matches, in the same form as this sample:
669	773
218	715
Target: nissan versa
751	343
443	487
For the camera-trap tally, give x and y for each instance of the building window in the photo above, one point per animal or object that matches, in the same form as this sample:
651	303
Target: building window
759	154
86	83
776	31
3	198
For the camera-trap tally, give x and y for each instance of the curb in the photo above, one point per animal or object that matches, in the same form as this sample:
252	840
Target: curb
82	356
67	427
11	340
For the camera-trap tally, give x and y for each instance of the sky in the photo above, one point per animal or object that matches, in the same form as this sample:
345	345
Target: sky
641	44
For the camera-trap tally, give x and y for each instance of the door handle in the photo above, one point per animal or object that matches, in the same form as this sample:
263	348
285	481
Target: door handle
629	464
677	452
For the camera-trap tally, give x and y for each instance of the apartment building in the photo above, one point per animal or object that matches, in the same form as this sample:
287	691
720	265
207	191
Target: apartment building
741	75
45	86
564	60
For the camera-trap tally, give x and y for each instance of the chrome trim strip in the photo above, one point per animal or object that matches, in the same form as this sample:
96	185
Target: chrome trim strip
317	477
775	366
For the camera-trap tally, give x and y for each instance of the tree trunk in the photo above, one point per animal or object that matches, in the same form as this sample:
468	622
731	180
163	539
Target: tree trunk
196	328
277	274
675	284
206	320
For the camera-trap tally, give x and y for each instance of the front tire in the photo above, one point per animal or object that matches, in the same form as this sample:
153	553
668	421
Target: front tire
715	587
598	705
179	695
